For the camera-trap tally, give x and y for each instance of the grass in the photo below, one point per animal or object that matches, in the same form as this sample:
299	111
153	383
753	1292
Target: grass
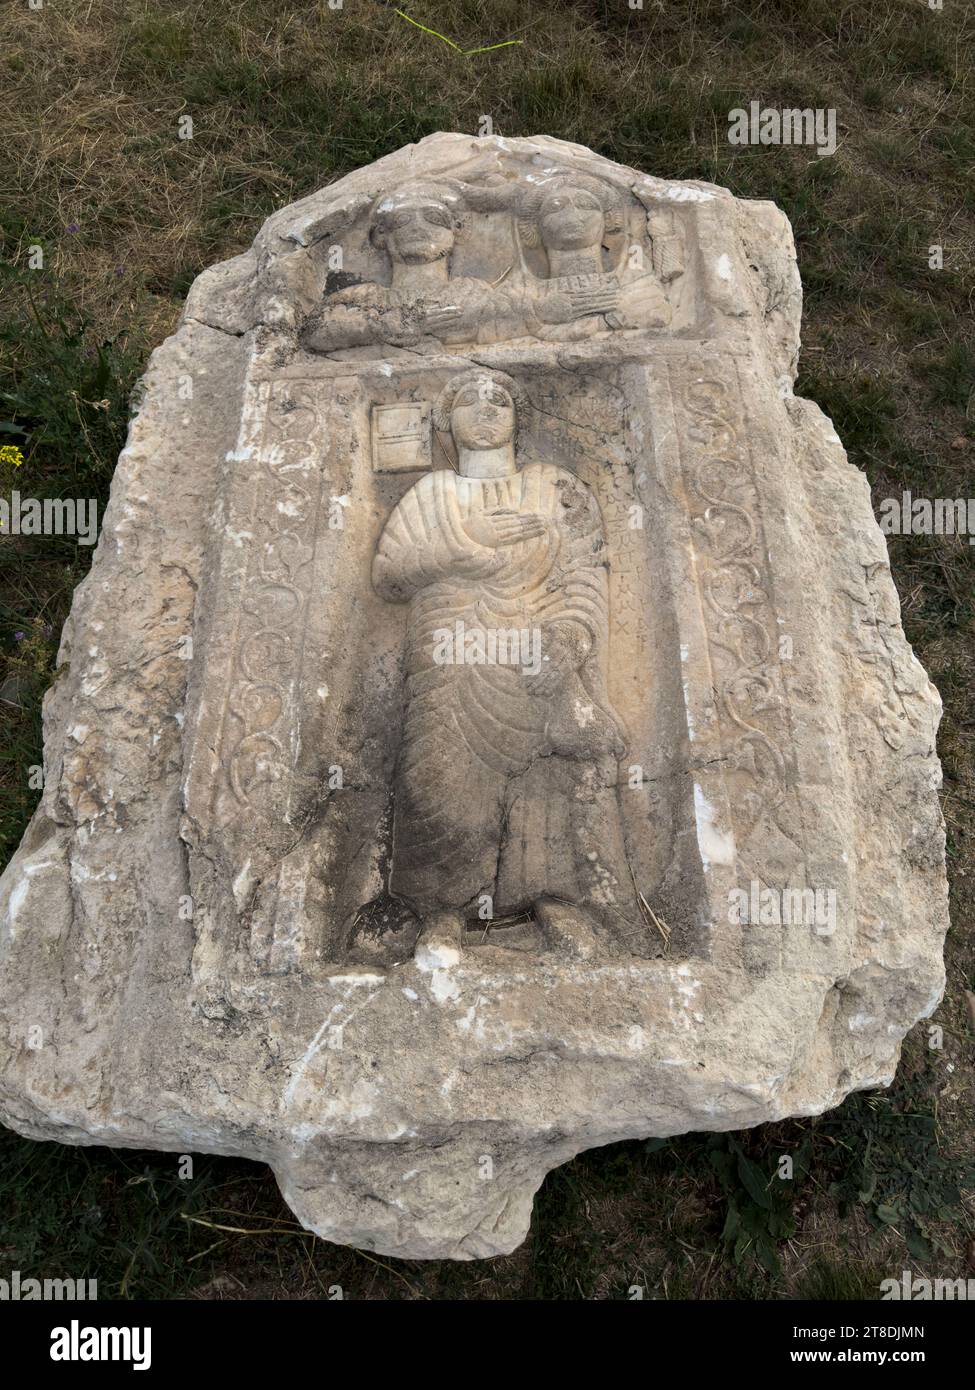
285	97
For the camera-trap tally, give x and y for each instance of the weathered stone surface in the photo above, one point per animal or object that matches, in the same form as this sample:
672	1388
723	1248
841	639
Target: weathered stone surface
414	930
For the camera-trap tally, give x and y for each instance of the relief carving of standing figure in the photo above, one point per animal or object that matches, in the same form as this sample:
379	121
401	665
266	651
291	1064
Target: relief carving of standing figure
506	782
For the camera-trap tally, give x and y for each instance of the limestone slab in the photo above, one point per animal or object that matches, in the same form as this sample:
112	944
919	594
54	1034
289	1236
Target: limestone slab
486	730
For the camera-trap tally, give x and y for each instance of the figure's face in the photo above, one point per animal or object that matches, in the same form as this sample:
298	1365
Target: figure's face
415	229
483	416
570	219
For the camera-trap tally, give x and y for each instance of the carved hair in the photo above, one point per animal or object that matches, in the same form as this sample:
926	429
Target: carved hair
458	196
606	195
444	403
447	192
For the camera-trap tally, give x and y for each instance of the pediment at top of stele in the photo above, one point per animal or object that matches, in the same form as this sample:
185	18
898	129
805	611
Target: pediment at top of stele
462	242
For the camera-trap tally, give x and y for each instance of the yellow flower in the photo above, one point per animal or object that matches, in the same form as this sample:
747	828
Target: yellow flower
9	453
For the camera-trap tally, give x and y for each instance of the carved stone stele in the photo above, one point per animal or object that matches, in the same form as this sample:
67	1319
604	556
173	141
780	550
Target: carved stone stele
486	730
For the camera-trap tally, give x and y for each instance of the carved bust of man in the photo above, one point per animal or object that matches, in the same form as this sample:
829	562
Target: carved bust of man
416	225
505	788
570	216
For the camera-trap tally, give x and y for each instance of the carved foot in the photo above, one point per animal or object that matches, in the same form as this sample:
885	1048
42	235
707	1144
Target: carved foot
566	929
439	943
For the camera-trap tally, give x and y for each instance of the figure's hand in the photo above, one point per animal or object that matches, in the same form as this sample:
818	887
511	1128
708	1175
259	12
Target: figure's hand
660	223
399	328
558	306
552	307
579	728
443	318
602	299
503	527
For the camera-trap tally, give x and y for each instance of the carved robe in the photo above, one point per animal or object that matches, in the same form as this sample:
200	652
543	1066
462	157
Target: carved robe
503	788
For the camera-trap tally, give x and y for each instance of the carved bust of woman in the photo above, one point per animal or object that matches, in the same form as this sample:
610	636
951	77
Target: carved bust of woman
570	217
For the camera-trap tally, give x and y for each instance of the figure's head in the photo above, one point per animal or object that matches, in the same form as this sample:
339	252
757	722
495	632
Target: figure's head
480	409
417	222
569	212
